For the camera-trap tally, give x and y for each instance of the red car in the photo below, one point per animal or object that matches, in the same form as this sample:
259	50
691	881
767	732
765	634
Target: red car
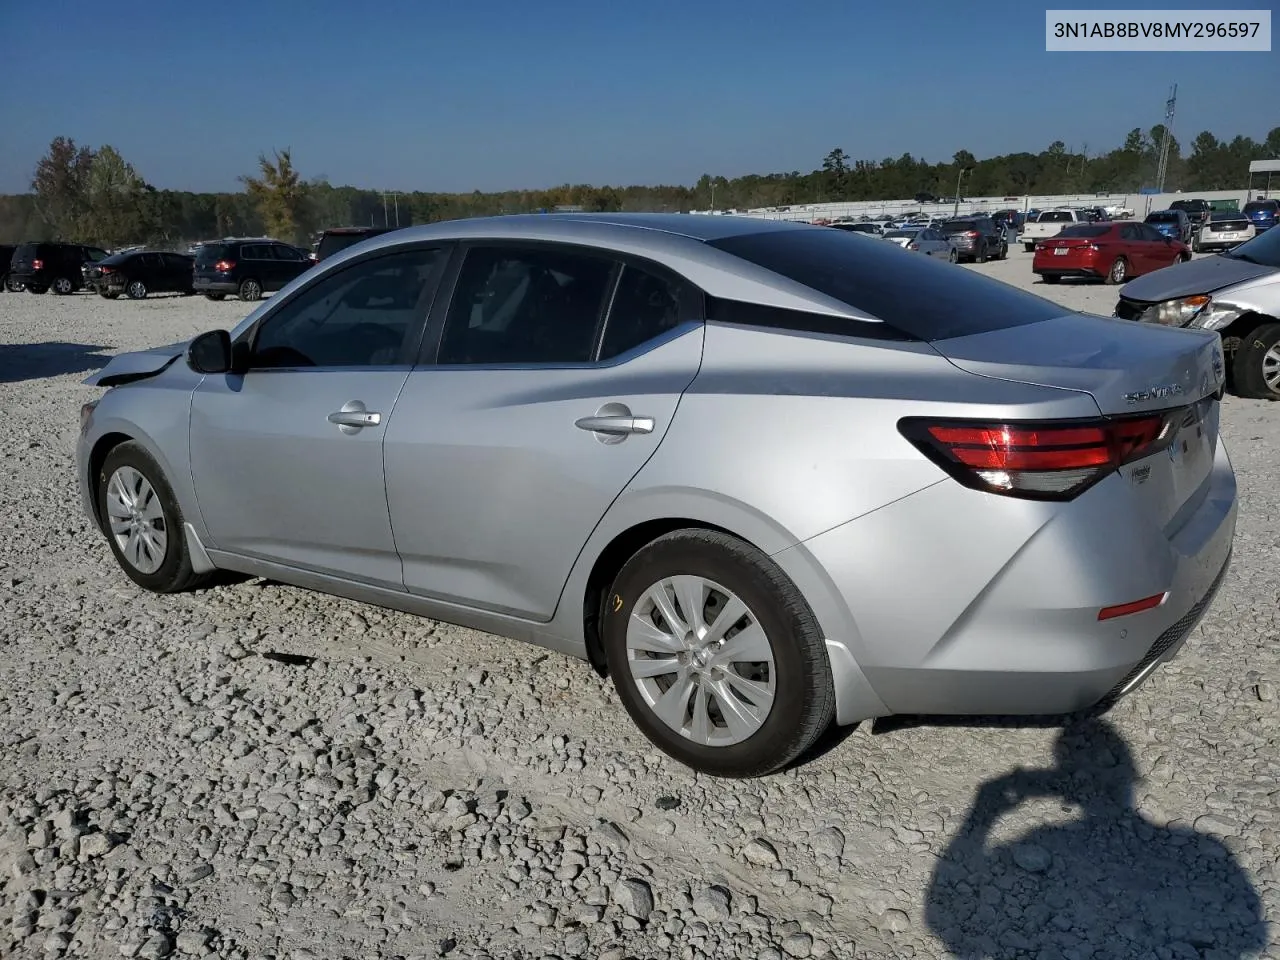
1115	252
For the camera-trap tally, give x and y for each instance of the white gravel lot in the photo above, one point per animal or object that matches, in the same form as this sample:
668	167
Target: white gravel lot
420	790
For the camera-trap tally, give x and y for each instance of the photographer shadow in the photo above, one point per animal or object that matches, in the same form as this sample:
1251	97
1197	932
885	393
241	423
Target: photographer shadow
1108	884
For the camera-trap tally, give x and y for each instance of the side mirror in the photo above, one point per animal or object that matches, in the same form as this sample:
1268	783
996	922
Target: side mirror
210	352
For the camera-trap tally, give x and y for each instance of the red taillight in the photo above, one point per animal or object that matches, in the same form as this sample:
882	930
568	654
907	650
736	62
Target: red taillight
1135	606
913	246
37	264
1051	460
105	270
971	233
224	266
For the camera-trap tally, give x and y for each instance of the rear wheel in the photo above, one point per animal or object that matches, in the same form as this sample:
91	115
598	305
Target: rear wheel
137	290
952	257
1256	367
1004	251
250	290
62	286
143	522
1029	247
215	297
716	655
1119	270
981	255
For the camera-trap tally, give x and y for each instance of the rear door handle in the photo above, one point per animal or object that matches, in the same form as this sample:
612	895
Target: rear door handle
354	417
616	425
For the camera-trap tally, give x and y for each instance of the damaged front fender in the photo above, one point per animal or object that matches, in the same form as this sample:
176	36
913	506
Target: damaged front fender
139	365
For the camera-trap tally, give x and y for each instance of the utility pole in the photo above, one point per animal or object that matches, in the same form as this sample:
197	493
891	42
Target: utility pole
1167	140
386	222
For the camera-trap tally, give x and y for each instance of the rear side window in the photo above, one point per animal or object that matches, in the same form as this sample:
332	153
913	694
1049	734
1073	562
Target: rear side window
644	306
918	296
526	306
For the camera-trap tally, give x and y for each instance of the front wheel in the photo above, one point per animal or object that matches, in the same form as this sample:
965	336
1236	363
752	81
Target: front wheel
143	522
250	290
716	655
1256	367
136	290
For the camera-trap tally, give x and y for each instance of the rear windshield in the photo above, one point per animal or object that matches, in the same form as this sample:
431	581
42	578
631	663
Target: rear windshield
1162	218
213	252
333	242
27	251
1257	206
1084	230
955	226
921	296
1055	216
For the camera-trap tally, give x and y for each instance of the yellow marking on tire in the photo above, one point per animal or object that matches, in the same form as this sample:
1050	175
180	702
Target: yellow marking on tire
617	603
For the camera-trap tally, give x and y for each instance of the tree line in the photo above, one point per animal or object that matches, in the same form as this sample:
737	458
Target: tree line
94	195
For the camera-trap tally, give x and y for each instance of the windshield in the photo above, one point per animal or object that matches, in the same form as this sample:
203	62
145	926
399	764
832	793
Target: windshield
1263	249
921	296
1084	230
1055	216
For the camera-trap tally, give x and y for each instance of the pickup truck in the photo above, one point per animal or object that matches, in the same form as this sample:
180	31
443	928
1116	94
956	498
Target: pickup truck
1047	225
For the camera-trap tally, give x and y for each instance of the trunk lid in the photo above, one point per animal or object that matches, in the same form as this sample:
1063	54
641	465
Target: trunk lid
1129	369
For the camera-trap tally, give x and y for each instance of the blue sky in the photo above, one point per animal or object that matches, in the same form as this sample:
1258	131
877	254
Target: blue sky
493	94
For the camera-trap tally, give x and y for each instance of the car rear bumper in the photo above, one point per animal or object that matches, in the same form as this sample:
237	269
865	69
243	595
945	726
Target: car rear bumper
214	286
956	602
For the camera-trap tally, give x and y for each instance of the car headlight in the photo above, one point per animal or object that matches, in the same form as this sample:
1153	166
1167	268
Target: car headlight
1175	313
1215	315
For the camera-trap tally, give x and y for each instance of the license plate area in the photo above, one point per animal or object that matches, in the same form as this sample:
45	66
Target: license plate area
1061	251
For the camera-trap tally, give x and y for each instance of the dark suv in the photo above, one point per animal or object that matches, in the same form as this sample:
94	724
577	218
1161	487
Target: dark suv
339	238
976	238
52	266
1197	211
247	267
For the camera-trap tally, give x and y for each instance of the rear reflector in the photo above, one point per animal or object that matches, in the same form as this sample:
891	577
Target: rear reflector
1045	460
1136	606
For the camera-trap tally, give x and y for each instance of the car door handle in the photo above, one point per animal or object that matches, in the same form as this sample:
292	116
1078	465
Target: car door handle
616	425
354	417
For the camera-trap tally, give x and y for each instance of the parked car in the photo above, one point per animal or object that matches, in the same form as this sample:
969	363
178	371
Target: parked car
1236	294
247	267
870	229
1222	231
1046	224
339	238
1171	223
587	448
1011	220
6	255
52	266
1109	251
924	240
1197	211
976	238
142	272
1262	213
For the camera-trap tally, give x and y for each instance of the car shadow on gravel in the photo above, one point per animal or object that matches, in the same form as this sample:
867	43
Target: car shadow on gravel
37	361
1108	882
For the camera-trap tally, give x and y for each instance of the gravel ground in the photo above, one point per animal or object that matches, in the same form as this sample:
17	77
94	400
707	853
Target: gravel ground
258	771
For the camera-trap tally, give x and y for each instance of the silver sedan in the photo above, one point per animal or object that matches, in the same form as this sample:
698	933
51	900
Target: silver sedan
766	475
924	240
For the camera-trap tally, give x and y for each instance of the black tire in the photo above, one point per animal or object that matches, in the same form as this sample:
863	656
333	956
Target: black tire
1051	278
4	283
804	697
250	290
174	573
1251	364
215	297
1195	245
62	286
36	288
1004	251
136	290
1029	247
953	257
981	255
1118	272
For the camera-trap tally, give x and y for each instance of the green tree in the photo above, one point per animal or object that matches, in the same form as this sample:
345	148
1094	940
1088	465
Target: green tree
60	186
280	196
114	201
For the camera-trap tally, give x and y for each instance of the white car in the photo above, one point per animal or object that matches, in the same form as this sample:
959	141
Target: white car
1048	224
1223	230
924	240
